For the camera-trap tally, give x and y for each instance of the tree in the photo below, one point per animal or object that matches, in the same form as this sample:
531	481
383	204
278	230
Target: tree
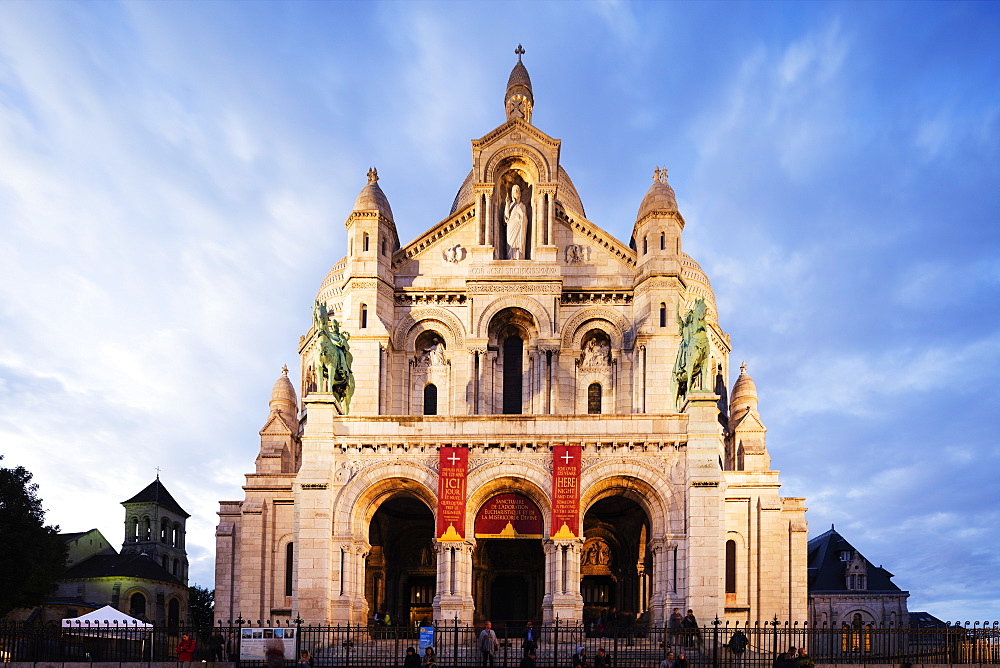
32	555
201	606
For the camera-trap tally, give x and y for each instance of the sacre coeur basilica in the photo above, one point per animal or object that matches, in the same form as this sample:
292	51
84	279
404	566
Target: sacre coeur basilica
513	416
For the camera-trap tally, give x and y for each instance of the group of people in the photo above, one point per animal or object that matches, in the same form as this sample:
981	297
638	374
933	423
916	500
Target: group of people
794	658
220	648
414	660
683	629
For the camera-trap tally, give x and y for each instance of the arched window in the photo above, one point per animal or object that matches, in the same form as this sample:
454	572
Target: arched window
175	537
663	315
165	562
137	605
383	246
430	399
594	398
663	241
365	247
133	529
364	316
146	529
165	531
173	616
289	560
730	566
513	349
645	246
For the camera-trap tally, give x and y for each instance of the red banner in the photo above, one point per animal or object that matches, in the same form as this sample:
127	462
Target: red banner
509	516
453	468
565	491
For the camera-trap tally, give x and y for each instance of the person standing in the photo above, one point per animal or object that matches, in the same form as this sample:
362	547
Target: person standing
737	645
274	653
530	642
675	626
691	631
488	645
185	649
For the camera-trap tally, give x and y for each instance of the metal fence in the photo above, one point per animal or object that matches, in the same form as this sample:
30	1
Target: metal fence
626	646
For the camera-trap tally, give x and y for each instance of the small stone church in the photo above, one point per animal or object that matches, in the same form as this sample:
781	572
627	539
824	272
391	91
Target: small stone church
514	416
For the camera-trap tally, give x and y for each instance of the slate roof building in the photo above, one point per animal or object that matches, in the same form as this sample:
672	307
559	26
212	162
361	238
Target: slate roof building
147	580
847	589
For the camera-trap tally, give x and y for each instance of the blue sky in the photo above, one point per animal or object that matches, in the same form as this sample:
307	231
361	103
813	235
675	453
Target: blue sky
174	179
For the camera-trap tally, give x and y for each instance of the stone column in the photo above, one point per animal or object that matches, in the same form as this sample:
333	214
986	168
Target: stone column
562	566
454	583
662	580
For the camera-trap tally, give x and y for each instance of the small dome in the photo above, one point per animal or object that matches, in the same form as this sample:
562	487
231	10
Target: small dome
659	197
698	284
744	394
371	197
519	78
283	395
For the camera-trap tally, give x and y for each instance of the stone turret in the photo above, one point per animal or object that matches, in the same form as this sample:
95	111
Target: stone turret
656	236
280	449
748	445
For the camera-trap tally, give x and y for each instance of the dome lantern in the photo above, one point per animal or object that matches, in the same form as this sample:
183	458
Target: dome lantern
518	100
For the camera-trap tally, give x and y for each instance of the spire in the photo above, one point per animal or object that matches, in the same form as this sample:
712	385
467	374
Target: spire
519	100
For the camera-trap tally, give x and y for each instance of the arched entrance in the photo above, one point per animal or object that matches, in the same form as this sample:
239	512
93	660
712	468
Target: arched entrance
614	562
400	571
508	563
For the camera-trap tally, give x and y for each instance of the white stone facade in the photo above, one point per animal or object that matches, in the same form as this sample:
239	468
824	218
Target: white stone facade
573	341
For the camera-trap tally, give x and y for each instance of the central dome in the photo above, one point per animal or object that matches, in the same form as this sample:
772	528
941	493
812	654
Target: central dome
568	196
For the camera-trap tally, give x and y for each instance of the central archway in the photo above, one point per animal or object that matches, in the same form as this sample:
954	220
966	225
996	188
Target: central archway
509	562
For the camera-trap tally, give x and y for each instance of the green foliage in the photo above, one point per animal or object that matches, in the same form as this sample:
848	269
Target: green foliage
32	555
201	606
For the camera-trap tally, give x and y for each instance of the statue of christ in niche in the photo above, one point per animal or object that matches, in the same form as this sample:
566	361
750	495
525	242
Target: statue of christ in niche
515	215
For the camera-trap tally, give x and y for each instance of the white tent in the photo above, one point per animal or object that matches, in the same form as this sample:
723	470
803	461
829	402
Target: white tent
107	617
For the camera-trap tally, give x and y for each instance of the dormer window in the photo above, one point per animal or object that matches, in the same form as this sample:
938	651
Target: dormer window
845	555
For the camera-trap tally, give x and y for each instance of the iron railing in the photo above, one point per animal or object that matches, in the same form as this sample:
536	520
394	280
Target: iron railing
456	644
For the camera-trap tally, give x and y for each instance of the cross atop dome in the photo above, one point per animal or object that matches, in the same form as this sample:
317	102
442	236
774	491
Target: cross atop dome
660	175
519	51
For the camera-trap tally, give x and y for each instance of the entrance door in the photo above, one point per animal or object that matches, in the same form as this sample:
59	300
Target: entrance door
511	577
509	562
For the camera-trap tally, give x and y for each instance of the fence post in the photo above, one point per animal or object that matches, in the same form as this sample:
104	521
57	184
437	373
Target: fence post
715	642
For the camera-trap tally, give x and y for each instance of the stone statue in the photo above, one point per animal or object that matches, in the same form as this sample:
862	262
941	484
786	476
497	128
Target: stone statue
692	355
333	357
433	354
515	215
596	353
